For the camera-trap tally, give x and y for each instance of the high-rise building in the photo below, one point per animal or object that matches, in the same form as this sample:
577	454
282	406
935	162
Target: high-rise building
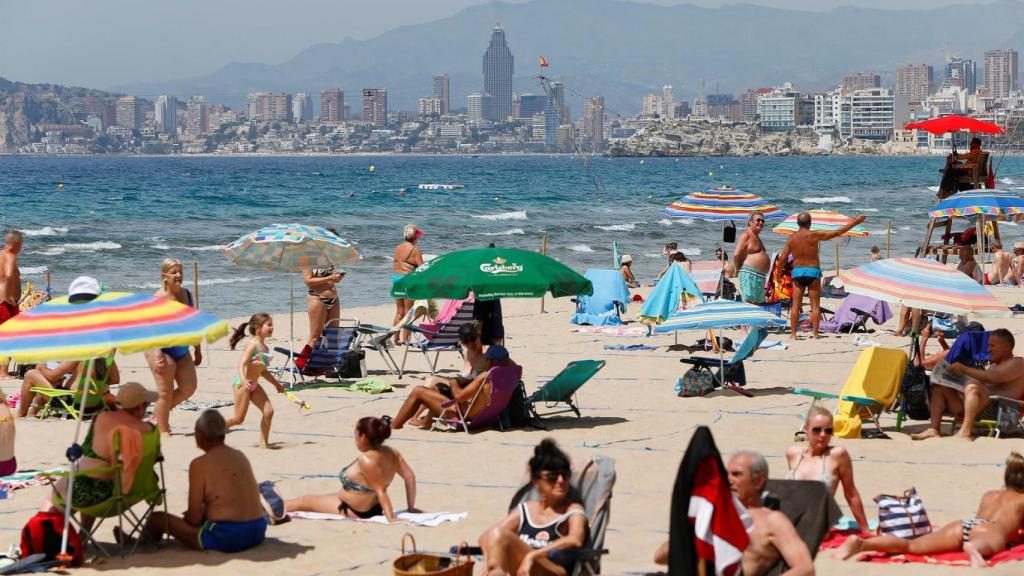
593	123
128	113
430	107
557	93
302	107
269	106
166	114
724	107
668	102
652	105
218	115
441	93
480	106
914	81
780	109
530	104
375	106
499	66
332	105
861	81
961	72
1000	72
700	107
748	103
868	114
196	121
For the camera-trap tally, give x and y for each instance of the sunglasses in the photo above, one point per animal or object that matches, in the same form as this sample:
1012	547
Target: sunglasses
759	220
818	430
552	477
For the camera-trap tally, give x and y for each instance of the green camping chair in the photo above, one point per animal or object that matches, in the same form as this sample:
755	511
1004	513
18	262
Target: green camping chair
68	403
562	388
147	487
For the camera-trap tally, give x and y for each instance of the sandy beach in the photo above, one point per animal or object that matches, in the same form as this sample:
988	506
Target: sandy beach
630	413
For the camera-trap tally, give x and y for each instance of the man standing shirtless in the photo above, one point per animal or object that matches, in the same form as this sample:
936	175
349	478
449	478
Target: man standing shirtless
1002	263
803	245
751	260
10	283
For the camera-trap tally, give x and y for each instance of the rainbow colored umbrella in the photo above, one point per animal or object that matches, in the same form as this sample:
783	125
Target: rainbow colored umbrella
722	204
721	314
127	322
991	204
924	284
292	247
823	221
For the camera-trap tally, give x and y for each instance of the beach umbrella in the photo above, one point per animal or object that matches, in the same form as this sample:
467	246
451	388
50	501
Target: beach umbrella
924	284
293	248
720	204
955	123
720	314
123	321
663	301
982	205
823	221
490	274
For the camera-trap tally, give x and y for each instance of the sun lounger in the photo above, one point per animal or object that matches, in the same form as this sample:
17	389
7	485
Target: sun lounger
853	314
562	388
873	386
504	381
333	353
608	302
734	374
444	339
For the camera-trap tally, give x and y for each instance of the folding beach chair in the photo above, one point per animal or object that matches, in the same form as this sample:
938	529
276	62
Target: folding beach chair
444	339
593	484
147	486
62	402
562	388
873	386
504	381
333	354
854	313
378	338
734	375
608	302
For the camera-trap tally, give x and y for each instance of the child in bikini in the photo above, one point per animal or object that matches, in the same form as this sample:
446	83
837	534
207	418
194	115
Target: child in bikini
251	366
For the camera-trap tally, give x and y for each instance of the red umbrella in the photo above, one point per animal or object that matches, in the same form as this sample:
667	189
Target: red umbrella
955	123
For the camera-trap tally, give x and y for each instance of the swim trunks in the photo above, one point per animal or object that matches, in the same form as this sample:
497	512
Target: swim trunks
752	284
806	275
7	311
226	536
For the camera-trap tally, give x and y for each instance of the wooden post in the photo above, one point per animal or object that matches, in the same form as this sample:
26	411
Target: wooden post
888	238
195	284
836	242
544	251
47	276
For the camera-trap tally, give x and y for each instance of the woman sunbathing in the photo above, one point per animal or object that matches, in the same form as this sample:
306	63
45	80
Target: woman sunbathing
996	524
365	481
520	543
830	465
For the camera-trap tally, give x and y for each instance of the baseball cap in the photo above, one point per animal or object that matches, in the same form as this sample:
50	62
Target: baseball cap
496	352
419	233
83	289
132	394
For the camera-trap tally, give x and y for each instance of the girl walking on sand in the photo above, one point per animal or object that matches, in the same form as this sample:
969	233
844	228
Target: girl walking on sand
251	366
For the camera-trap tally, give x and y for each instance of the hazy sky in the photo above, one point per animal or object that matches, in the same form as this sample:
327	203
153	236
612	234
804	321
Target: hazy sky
100	43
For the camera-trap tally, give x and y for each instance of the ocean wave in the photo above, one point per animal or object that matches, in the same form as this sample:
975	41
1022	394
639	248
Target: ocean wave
865	209
58	249
581	248
672	221
827	200
1006	180
691	251
881	232
212	248
31	270
653	255
617	227
203	282
933	188
517	215
509	232
160	246
906	228
46	231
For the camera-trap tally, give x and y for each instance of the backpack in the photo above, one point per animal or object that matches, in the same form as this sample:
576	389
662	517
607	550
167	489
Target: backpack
517	413
914	389
42	535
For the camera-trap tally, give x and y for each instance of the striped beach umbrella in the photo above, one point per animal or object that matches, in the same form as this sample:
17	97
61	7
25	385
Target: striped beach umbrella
821	221
720	314
292	247
990	204
127	322
722	204
924	284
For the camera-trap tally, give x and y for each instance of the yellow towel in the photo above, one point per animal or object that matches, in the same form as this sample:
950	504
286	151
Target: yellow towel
877	375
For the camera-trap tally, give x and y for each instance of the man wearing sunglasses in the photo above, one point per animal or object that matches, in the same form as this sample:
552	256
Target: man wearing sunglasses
751	260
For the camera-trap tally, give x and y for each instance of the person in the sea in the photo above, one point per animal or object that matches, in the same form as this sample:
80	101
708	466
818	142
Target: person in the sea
1004	376
751	260
252	365
8	463
175	364
830	465
93	488
996	524
626	269
10	284
804	246
876	254
433	400
519	543
407	258
224	508
365	481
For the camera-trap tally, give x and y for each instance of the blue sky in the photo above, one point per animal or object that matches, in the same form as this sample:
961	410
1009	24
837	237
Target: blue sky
100	43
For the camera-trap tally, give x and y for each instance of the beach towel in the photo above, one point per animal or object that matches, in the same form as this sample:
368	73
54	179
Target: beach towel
30	478
779	287
370	386
199	405
970	348
664	300
427	519
131	455
846	319
614	330
629	347
835	539
773	345
609	300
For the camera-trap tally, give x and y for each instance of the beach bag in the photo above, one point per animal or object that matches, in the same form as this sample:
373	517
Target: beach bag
914	390
42	535
902	516
517	413
353	366
695	382
416	564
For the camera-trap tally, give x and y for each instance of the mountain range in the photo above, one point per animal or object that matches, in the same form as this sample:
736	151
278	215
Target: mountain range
622	50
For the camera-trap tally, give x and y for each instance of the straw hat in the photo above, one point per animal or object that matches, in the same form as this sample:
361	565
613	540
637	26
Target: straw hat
132	394
626	259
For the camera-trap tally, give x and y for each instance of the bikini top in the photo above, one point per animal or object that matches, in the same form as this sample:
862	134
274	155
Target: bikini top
824	477
405	259
349	484
540	536
322	272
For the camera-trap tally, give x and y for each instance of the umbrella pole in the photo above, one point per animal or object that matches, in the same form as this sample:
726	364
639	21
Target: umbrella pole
979	230
291	328
74	454
837	258
888	238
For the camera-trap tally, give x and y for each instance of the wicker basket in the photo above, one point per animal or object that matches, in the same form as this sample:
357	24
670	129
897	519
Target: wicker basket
416	564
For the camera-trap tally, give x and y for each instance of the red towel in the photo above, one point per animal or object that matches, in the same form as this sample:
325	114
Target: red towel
835	538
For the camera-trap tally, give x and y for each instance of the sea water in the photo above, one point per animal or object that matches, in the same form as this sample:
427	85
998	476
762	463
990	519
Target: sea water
117	218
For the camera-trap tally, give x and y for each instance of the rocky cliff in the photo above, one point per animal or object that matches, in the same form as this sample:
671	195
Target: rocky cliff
687	137
24	106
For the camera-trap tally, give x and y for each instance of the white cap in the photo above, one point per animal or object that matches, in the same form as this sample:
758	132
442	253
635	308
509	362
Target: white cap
83	289
626	258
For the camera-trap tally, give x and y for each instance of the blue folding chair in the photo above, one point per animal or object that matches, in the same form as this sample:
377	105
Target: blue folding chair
731	374
444	338
335	351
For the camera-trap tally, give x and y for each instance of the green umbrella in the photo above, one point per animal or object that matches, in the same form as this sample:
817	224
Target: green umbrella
491	273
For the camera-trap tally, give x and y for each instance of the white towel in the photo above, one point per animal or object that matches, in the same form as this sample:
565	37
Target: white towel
430	519
773	345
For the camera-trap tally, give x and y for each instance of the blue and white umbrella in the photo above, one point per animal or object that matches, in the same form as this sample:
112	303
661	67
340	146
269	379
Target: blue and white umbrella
720	314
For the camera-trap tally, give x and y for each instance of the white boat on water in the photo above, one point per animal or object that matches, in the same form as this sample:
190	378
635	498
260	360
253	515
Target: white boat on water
441	186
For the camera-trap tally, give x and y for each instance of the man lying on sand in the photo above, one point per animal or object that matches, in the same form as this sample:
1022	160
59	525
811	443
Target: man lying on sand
1004	376
1000	515
772	537
224	509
